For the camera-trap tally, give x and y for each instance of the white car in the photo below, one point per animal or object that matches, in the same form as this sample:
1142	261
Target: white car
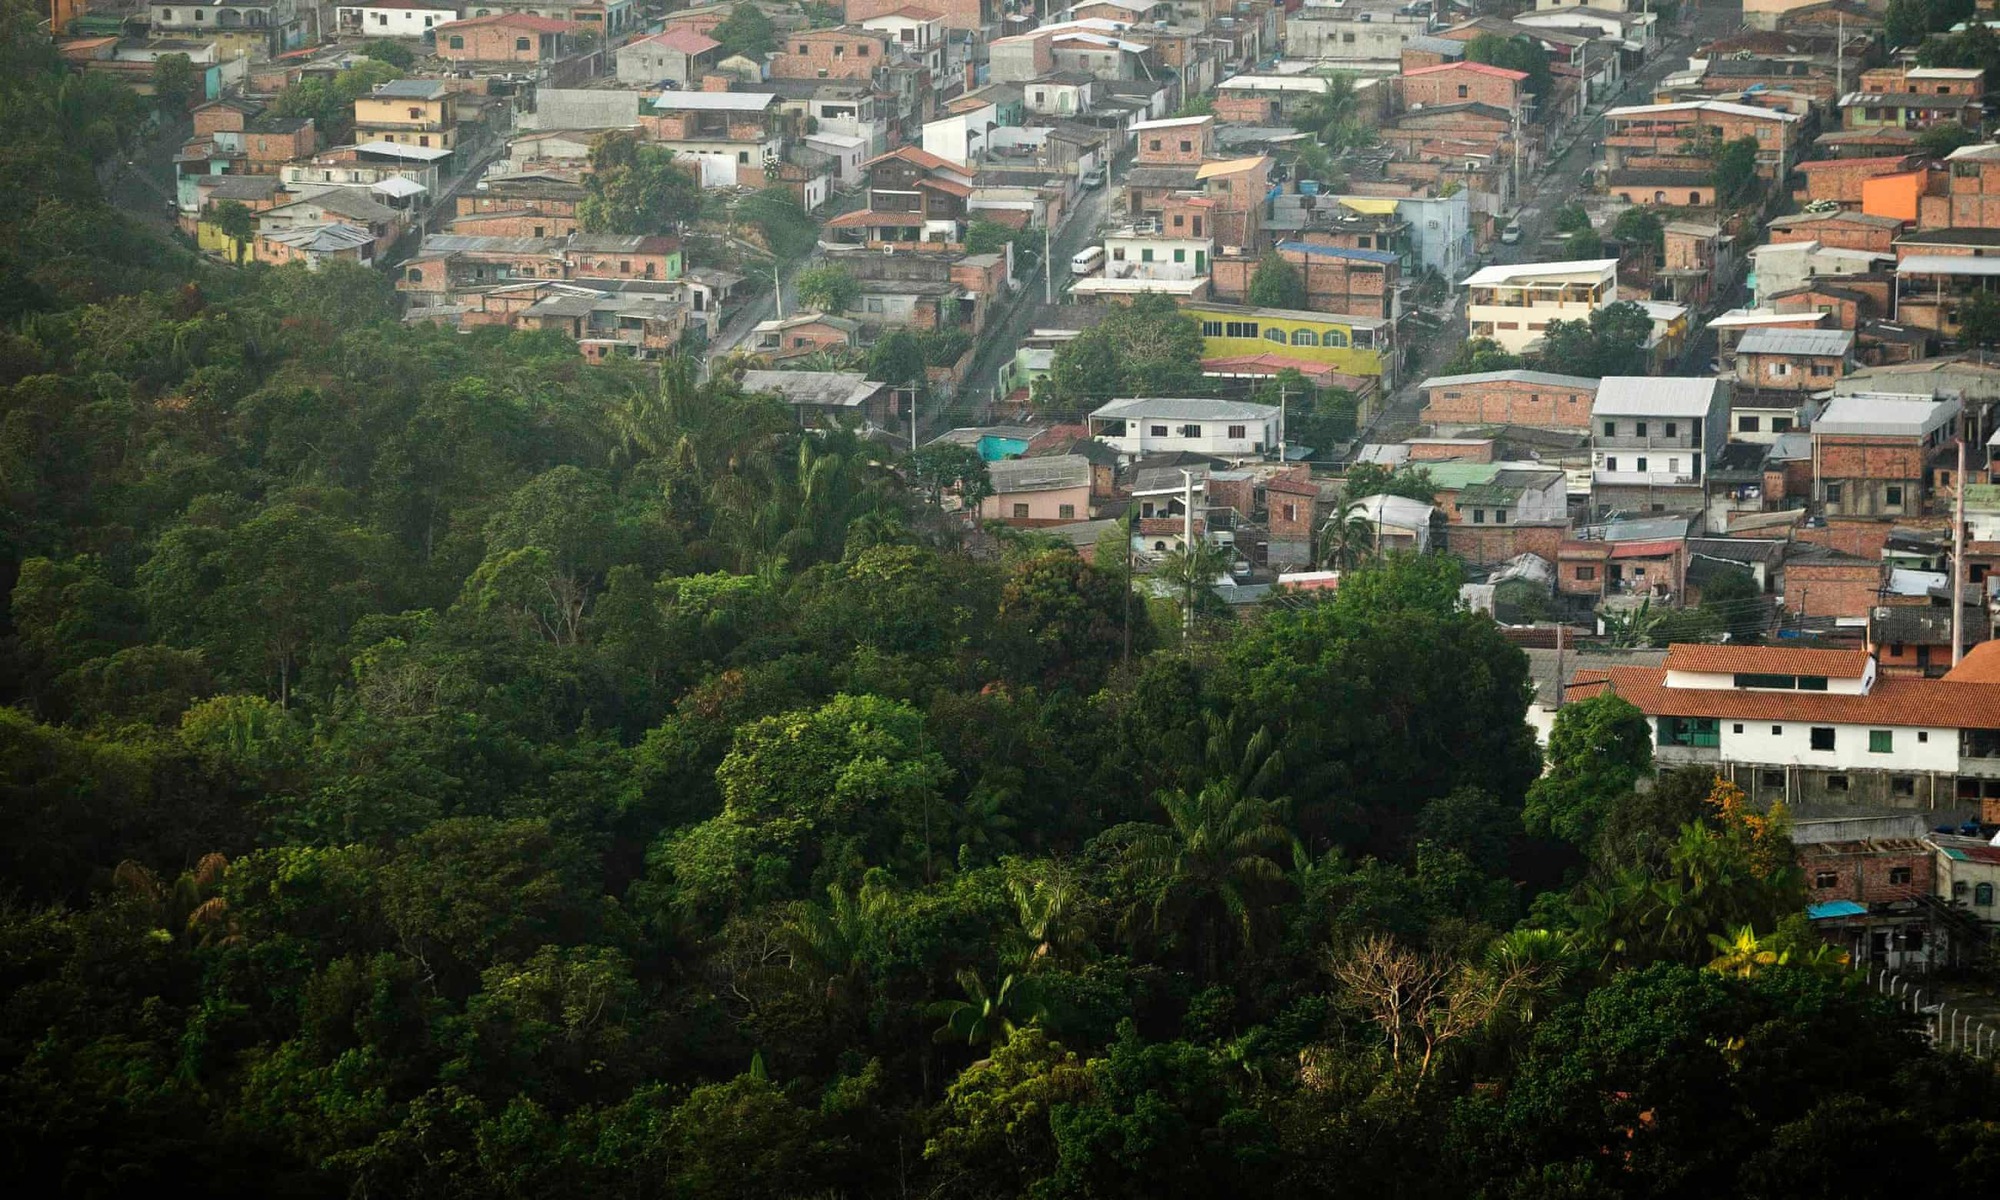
1512	234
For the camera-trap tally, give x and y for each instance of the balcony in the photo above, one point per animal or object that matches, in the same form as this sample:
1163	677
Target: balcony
1678	755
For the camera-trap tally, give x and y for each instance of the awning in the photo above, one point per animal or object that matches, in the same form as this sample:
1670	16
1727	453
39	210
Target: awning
1373	205
398	187
1834	908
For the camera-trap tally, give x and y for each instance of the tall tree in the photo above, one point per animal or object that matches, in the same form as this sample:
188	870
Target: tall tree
1277	284
636	188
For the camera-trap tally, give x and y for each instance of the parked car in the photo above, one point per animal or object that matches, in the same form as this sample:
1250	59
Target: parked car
1511	235
1094	178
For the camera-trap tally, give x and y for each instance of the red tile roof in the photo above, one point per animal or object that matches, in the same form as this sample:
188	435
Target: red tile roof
1894	700
684	39
1981	664
1655	549
912	12
515	21
1765	660
1897	162
921	157
950	187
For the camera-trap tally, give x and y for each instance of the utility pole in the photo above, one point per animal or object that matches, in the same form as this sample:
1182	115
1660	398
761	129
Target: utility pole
1282	393
1560	689
1958	562
1187	551
913	419
1048	261
778	289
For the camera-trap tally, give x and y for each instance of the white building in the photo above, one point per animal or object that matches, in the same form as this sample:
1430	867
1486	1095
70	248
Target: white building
1513	304
961	137
1653	440
392	18
918	32
1143	251
1778	267
1223	428
1821	725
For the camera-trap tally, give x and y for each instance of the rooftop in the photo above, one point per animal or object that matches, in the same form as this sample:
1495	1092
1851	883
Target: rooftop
1039	474
819	389
1827	343
411	89
1893	701
715	101
1505	273
1697	658
1884	416
681	38
1191	410
1580	382
1647	396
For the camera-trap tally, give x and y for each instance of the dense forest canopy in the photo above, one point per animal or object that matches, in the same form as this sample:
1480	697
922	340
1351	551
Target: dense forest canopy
437	767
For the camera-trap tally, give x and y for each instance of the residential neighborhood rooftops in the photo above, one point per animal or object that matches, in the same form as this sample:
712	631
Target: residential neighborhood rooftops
1707	659
1547	378
1318	250
1646	396
1475	68
1894	701
1170	123
1959	235
715	101
683	39
1823	343
411	89
1695	106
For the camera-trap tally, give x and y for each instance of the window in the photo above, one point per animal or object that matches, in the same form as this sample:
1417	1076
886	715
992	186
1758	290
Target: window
1211	329
1836	783
457	43
1304	337
1180	219
1479	516
1822	737
742	156
1186	146
1825	879
1499	516
1020	511
1157	431
1586	574
860	51
1117	254
1893	494
1066	511
520	44
1881	741
1736	728
1611	429
1638	429
1672	429
1640	465
1780	370
1146	254
423	139
1180	256
1748	424
1821	372
1833	493
1338	340
1463	91
802	48
1611	463
1241	329
1923	736
1673	466
1902	785
1275	335
1238	432
1777	731
1899	876
1774	779
1982	895
166	14
1781	424
1190	431
1154	144
875	304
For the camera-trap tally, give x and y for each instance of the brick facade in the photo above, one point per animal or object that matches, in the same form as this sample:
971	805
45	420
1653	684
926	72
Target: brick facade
512	223
1841	588
1498	543
830	54
1540	405
1840	179
1463	83
1868	873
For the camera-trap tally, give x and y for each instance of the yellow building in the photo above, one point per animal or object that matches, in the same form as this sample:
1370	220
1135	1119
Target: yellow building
1349	344
408	112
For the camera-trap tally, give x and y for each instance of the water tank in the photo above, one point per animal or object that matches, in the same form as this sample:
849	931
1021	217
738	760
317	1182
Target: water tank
1308	187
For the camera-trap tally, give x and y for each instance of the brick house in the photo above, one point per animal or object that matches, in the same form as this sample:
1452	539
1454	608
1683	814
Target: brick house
807	333
1971	195
1791	361
1337	279
548	194
1842	230
681	55
1878	871
1177	141
830	398
1537	399
1693	257
1239	187
1655	136
511	223
1875	452
1050	490
621	256
976	16
848	52
227	114
1840	179
1463	83
1844	305
271	142
505	37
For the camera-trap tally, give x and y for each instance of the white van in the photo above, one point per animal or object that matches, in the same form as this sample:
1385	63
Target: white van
1086	261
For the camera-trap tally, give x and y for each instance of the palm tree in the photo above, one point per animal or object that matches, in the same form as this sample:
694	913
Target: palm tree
1051	927
1212	866
1347	540
983	1017
1193	569
829	943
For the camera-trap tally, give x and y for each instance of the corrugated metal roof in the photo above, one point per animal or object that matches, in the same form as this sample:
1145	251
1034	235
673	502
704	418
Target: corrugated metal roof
715	101
1947	264
1316	250
1190	410
1886	416
1508	273
1645	396
1039	474
1827	343
843	389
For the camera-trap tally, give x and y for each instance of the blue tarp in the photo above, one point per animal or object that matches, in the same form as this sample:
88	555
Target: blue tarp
1834	908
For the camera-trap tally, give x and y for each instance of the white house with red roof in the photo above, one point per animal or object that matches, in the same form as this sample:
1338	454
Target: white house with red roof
1820	726
392	18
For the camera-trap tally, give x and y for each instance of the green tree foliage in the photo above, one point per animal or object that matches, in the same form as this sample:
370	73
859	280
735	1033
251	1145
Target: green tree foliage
1735	175
1277	284
390	51
746	31
1514	54
636	188
1612	342
1147	348
827	289
1979	320
1571	218
1641	227
787	230
1597	752
329	101
1976	47
943	466
1940	140
237	223
1372	479
1479	355
174	83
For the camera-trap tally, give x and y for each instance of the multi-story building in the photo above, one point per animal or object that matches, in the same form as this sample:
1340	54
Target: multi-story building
1680	136
408	112
1222	428
1653	441
1874	454
916	200
1464	83
605	18
732	136
1535	399
505	38
849	52
1353	345
1513	304
392	18
916	32
1816	726
679	55
1791	360
1972	191
1180	244
247	29
1932	290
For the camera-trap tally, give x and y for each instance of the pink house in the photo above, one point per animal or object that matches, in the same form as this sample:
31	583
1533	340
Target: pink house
1038	491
